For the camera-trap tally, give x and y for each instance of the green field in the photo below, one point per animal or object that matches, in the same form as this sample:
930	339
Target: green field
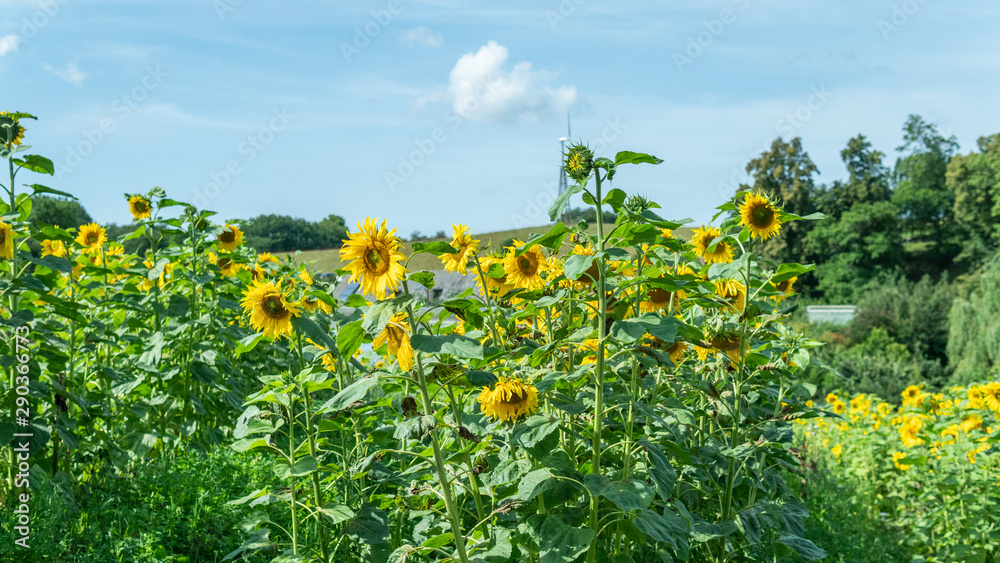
328	260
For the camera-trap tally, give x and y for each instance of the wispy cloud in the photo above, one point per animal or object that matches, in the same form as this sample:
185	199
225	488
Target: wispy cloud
8	43
70	73
421	37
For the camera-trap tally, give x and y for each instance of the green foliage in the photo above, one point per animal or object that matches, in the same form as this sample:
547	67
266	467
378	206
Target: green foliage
280	233
64	212
172	508
974	330
974	182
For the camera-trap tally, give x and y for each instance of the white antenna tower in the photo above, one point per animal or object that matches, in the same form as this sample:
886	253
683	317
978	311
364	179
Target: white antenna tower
563	185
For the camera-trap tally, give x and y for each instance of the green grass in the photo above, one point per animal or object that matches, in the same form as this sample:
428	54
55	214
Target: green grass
328	260
171	509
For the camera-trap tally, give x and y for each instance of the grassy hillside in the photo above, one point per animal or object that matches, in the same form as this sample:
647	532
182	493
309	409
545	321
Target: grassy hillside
328	260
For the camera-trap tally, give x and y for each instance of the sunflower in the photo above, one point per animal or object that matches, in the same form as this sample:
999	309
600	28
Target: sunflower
311	304
760	216
225	263
733	293
375	258
396	335
329	362
140	207
666	233
269	309
975	394
909	431
677	351
837	450
702	240
91	237
7	241
53	247
656	299
579	162
832	398
509	399
466	245
839	407
496	286
786	288
146	284
525	271
11	131
991	396
305	277
230	238
910	395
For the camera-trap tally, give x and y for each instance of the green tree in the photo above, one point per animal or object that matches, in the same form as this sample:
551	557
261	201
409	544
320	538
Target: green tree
786	173
64	212
926	205
973	180
281	233
861	244
974	330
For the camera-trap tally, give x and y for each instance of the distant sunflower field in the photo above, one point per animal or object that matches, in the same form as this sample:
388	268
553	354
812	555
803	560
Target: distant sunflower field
624	396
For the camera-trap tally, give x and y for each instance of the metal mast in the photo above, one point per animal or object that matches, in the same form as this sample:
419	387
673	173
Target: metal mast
563	185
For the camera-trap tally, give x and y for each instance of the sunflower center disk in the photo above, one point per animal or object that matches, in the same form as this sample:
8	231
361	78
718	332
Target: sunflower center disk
227	236
377	260
762	216
273	306
526	267
515	398
657	295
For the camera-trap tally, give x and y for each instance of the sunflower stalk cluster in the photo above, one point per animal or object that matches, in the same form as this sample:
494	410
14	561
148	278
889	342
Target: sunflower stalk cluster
623	392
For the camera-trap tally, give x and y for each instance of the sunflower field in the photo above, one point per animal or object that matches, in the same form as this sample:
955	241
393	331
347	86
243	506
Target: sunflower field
929	468
628	396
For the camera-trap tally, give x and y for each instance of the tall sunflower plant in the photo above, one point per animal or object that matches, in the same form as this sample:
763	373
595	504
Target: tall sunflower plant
594	396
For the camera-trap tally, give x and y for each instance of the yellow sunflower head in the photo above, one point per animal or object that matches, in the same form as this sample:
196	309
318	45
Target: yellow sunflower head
509	399
305	277
496	286
702	240
466	245
375	258
760	216
11	131
311	304
786	288
54	248
396	337
269	310
525	271
225	263
7	241
140	207
733	293
91	237
230	238
657	299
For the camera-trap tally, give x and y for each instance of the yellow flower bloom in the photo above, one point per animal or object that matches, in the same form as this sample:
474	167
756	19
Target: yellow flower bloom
466	245
758	215
375	258
837	450
496	286
732	292
786	288
702	240
7	241
910	395
230	238
909	431
991	396
11	131
226	264
91	237
269	310
305	277
54	248
832	398
509	399
140	207
396	335
971	422
525	271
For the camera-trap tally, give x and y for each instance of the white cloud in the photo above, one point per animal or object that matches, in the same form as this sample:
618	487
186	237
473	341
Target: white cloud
421	37
8	43
481	89
70	73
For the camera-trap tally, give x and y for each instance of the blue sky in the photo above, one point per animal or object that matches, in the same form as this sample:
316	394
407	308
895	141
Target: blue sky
438	112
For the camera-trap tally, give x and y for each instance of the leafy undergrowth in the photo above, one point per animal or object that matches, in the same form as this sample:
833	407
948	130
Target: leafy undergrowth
172	508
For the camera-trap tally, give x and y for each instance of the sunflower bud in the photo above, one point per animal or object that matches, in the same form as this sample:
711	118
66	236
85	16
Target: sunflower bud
11	131
579	162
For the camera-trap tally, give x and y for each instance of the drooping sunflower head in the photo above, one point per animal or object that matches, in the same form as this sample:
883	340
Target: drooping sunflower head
658	298
760	216
525	271
579	162
11	131
225	262
269	309
91	237
509	399
733	293
306	277
991	396
786	288
375	258
466	245
702	240
396	337
230	238
140	207
496	286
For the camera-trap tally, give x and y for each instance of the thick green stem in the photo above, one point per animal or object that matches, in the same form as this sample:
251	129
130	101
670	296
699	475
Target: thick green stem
449	502
311	435
602	313
291	460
